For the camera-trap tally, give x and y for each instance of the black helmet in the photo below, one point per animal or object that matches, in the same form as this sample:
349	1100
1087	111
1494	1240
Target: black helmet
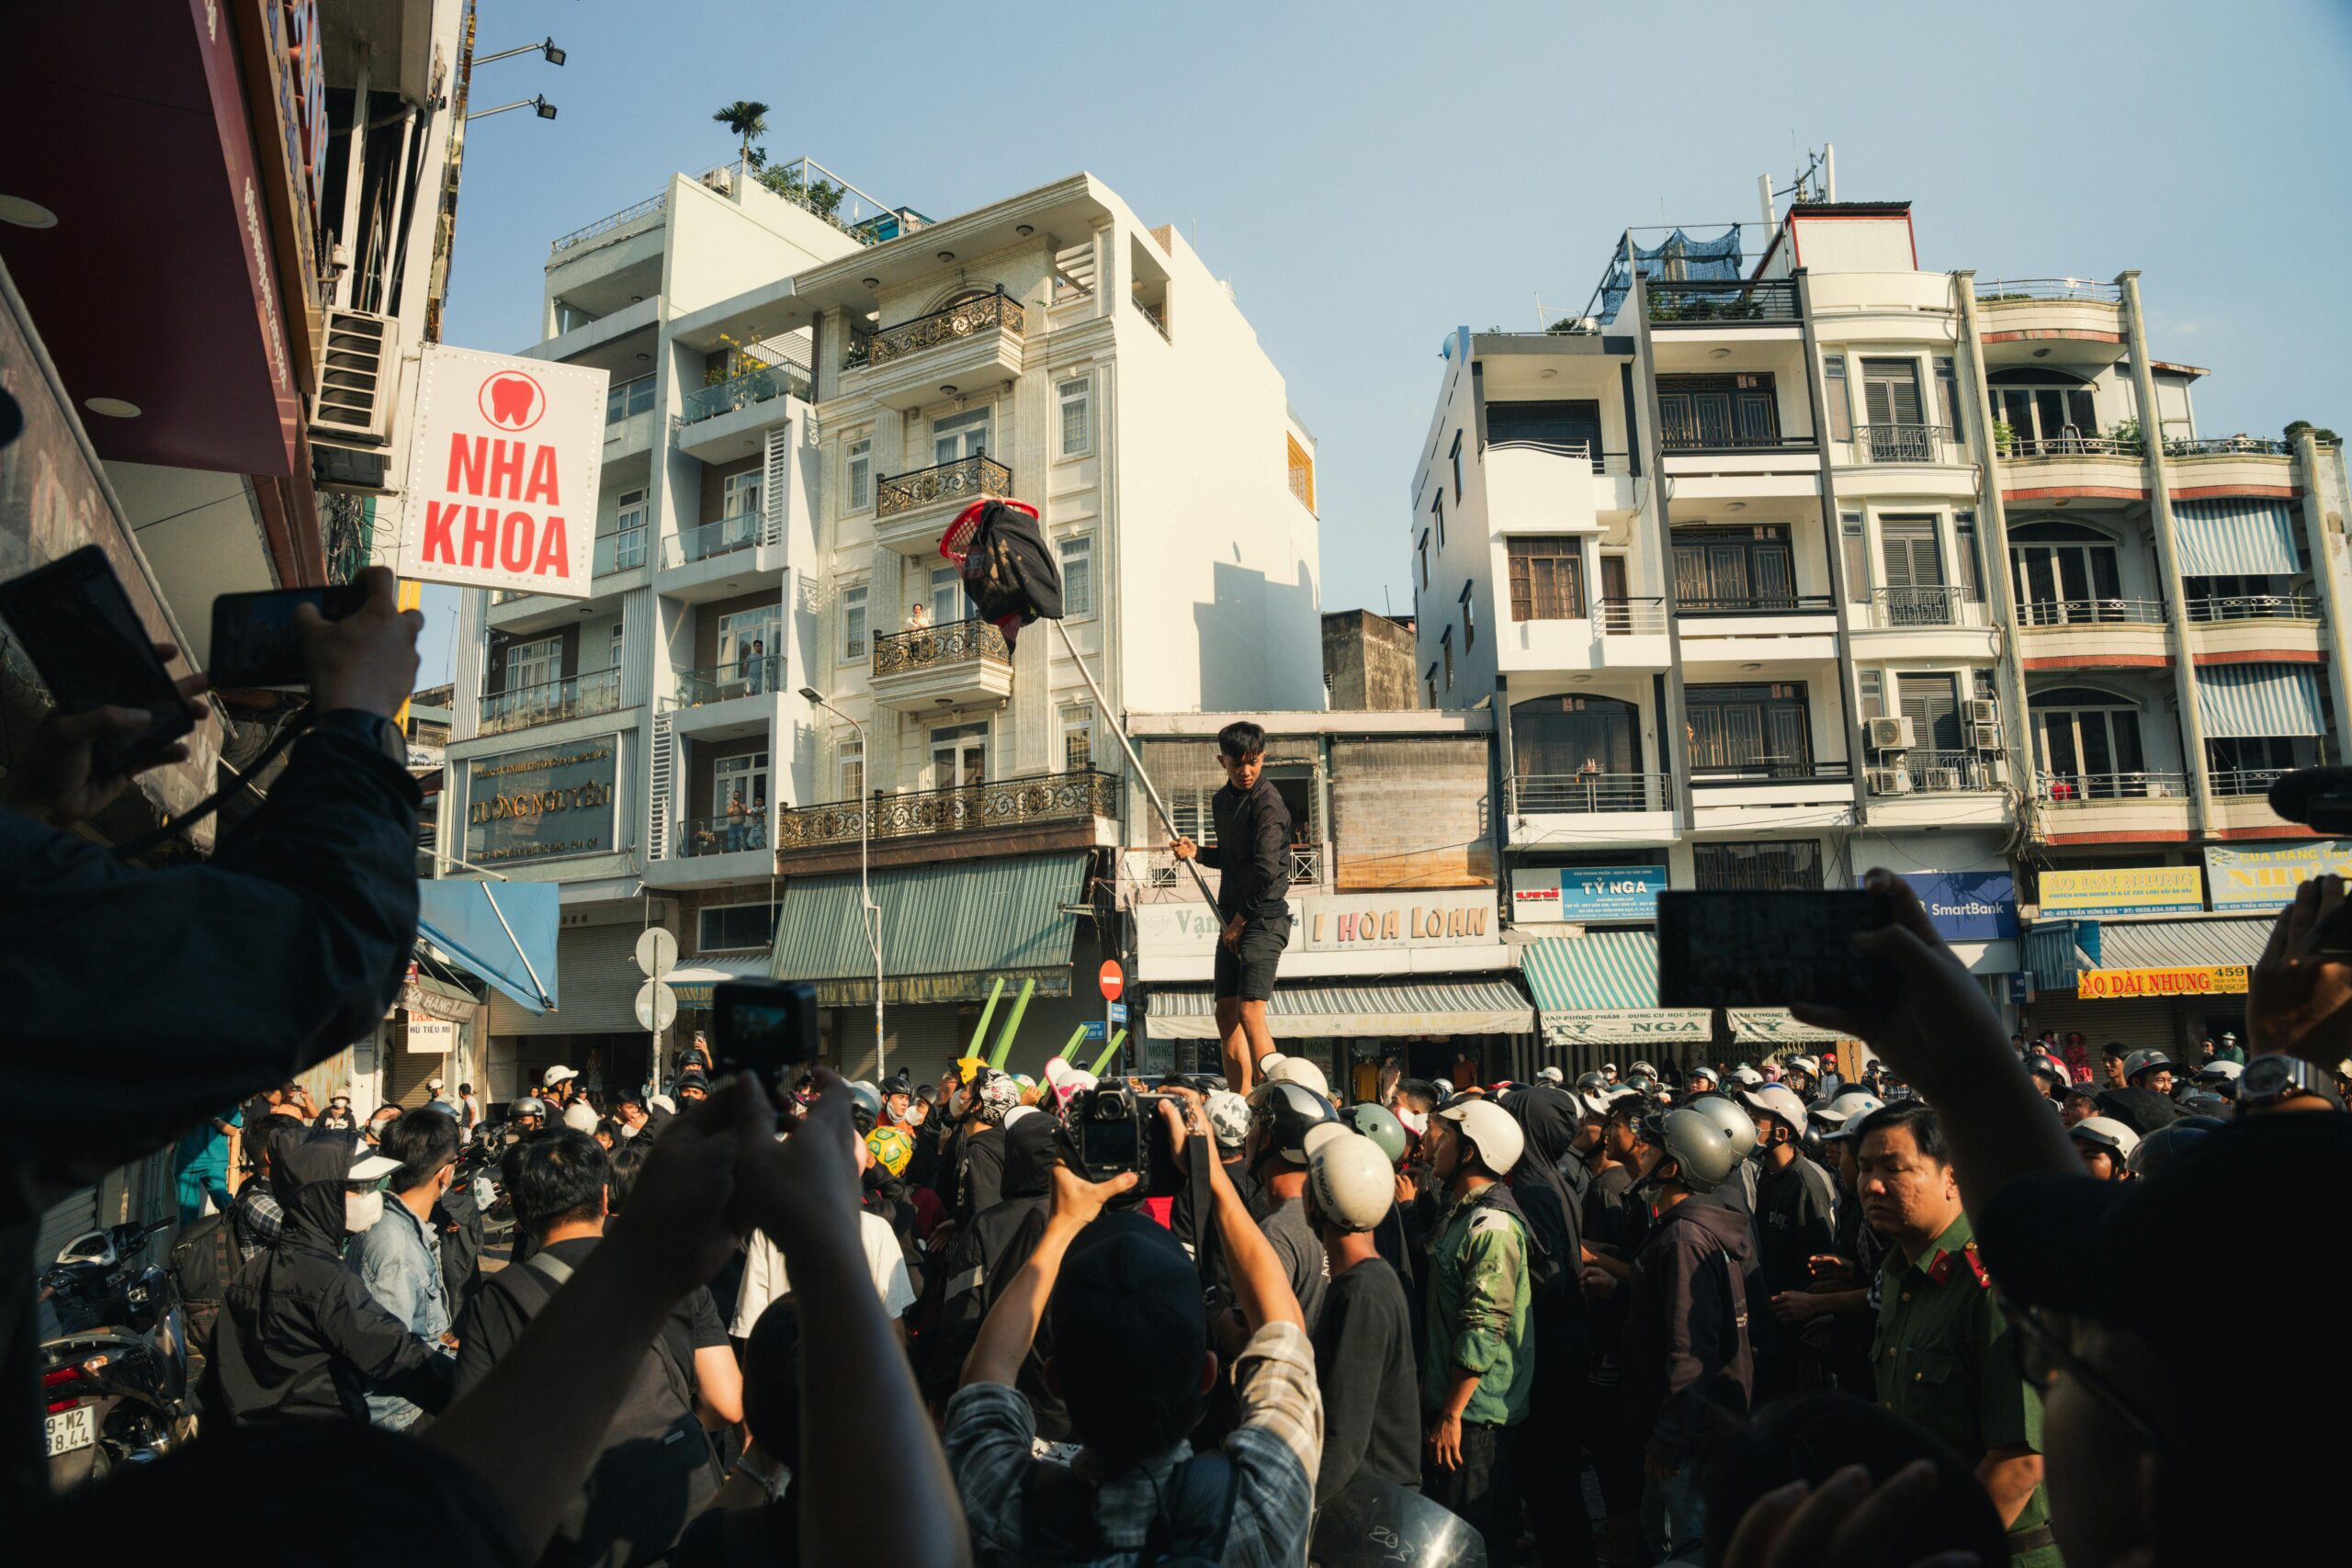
1287	1113
2149	1154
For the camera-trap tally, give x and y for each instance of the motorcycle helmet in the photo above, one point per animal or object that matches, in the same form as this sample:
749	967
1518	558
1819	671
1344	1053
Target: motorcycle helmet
1840	1116
2107	1132
1551	1075
530	1105
1594	1083
1777	1099
1352	1179
1703	1149
1492	1131
1736	1125
1287	1112
2151	1153
1747	1075
891	1148
1229	1116
1275	1068
1704	1075
996	1093
864	1106
1378	1124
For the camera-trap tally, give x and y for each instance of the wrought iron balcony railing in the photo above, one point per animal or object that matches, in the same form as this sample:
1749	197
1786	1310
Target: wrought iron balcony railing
2091	611
2226	446
1926	607
2090	789
985	312
741	392
599	691
740	532
1013	803
963	480
1766	770
718	682
1727	299
1901	443
1633	617
1935	772
2236	782
621	551
725	834
2255	607
933	648
1757	605
2076	290
2064	444
1684	441
1578	794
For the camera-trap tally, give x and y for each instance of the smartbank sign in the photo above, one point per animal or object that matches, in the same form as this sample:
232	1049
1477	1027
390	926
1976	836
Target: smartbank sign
1968	905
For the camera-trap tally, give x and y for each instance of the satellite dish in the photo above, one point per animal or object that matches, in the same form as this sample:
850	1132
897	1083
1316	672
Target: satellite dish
657	952
657	1006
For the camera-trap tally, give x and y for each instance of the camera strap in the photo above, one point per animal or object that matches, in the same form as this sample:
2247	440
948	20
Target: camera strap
1200	1219
219	797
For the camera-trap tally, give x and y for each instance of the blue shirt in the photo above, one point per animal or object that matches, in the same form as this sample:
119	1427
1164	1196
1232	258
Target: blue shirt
205	1149
398	1260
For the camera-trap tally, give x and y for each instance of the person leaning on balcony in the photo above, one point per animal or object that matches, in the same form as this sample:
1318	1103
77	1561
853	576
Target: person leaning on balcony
735	816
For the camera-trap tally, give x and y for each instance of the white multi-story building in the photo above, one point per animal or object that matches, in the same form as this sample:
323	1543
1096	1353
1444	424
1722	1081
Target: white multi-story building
1788	558
800	406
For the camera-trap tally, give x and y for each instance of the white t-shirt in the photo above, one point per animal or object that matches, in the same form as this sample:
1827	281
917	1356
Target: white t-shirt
764	1279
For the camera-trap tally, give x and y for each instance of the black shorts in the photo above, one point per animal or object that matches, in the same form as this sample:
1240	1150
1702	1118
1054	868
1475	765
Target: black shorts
1249	973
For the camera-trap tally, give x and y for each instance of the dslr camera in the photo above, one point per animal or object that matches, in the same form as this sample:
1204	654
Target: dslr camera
1117	1130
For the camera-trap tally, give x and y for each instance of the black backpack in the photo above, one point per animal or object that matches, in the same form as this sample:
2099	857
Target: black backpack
1195	1514
1009	571
205	1259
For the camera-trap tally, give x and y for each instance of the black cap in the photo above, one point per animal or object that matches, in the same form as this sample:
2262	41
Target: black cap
2247	1198
1128	1303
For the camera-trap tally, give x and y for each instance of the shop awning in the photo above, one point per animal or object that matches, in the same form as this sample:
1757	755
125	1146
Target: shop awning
504	931
2248	702
693	981
2191	956
947	929
438	999
2235	536
1599	971
1368	1008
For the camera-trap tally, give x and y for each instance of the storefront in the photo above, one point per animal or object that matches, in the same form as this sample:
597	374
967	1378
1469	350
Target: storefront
593	1029
1423	977
1597	997
2130	955
950	931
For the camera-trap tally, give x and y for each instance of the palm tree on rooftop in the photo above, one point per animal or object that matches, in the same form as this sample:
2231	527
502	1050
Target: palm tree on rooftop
746	117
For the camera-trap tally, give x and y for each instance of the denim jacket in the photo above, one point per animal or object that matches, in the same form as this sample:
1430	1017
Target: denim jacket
398	1260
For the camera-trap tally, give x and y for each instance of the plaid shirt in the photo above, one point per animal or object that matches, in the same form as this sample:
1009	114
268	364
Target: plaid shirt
257	1219
1276	1452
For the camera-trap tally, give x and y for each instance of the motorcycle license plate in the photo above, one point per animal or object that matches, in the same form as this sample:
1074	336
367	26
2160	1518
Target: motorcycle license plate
71	1429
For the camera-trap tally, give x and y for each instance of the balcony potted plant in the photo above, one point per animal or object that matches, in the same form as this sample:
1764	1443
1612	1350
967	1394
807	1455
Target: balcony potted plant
2004	438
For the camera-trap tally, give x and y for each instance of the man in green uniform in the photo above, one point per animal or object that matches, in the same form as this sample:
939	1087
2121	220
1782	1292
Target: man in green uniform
1941	1353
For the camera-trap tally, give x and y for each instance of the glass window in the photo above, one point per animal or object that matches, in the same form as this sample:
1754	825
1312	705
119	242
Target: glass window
1078	417
947	602
1078	737
1469	618
1948	394
623	399
616	644
1565	425
742	494
1857	546
1455	456
2086	743
959	436
1751	731
850	755
1874	685
2066	573
533	664
2048	411
1445	642
744	779
861	474
746	637
959	756
1421	551
1891	392
854	622
1718	570
1430	676
1546	577
735	926
1766	867
1436	505
1076	554
1712	412
1562	738
1963	550
1840	402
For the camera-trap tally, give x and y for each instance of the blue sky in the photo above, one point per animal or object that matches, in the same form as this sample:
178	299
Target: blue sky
1371	175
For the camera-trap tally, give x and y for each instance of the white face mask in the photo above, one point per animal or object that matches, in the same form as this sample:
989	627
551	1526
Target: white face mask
361	1211
628	1132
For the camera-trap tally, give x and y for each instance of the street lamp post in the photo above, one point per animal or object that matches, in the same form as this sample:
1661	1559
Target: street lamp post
870	912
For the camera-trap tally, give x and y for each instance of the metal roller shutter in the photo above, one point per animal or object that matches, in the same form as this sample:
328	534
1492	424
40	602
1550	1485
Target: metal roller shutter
597	987
2141	1023
75	1216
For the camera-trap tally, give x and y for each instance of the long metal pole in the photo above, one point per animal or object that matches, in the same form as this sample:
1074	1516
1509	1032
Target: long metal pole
869	913
1102	706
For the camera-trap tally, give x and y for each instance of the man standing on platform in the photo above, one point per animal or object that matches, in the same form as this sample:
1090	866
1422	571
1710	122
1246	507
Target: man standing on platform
1253	852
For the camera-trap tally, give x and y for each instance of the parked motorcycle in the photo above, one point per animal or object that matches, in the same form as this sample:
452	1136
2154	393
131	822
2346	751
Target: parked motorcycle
113	1355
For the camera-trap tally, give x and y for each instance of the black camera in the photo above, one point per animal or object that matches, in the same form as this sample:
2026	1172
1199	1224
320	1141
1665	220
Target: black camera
1118	1130
765	1028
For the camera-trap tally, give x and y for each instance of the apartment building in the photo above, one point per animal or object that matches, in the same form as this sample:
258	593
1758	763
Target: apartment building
806	392
1777	562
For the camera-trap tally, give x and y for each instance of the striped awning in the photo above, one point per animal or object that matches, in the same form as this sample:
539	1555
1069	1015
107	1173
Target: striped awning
2246	702
2187	943
948	930
1366	1007
2234	537
1597	970
693	980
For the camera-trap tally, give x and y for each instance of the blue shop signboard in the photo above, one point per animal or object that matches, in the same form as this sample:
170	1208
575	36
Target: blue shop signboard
1585	893
1968	905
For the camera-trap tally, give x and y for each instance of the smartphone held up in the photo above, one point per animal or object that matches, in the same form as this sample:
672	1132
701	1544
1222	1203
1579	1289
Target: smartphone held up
765	1028
1749	949
91	650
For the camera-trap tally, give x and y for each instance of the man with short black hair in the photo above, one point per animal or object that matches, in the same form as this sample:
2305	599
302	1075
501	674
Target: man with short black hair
2112	1055
398	1257
1252	852
1132	1357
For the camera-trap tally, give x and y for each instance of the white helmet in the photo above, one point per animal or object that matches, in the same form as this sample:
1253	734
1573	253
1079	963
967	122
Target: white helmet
580	1116
1703	1071
1838	1118
1780	1100
1229	1116
1353	1184
1551	1074
1492	1131
1275	1068
1743	1074
2106	1132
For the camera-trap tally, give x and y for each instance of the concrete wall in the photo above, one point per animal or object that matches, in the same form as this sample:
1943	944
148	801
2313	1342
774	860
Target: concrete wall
1412	812
1368	661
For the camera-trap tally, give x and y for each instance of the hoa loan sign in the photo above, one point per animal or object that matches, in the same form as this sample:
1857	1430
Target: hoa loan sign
504	467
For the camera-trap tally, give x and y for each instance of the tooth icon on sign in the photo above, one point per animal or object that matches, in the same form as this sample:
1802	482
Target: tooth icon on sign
511	400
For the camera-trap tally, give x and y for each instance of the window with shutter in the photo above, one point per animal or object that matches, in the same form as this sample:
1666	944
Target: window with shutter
1891	392
1915	594
1840	402
1857	546
1932	705
1546	578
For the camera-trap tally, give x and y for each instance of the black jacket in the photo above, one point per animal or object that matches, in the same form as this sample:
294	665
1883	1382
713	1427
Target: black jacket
1686	1324
285	946
1252	850
299	1337
983	1258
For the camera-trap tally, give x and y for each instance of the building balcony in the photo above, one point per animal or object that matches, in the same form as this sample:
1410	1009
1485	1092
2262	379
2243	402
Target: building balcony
1757	629
958	665
2016	314
1725	467
718	851
549	702
727	535
2234	463
1555	486
1903	444
624	551
698	837
1589	808
1617	633
1046	810
714	423
2089	634
1733	302
727	701
1928	788
912	510
2289	624
2235	783
2101	808
1769	794
2099	466
969	345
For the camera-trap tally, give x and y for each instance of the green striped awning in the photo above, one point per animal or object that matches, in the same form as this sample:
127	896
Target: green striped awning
2189	942
948	931
2250	702
1599	969
1305	1011
694	979
2236	537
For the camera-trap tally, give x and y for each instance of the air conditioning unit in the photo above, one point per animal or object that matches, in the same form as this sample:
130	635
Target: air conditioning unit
1939	780
1981	710
1888	734
354	397
1984	737
1887	781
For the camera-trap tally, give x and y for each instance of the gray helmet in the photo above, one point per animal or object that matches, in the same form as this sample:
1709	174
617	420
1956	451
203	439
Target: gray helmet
1594	1083
1645	1068
2140	1062
1736	1125
1706	1072
1705	1154
1380	1124
1352	1178
530	1105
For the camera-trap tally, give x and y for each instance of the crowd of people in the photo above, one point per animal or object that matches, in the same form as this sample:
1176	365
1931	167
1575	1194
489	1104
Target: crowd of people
1988	1302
